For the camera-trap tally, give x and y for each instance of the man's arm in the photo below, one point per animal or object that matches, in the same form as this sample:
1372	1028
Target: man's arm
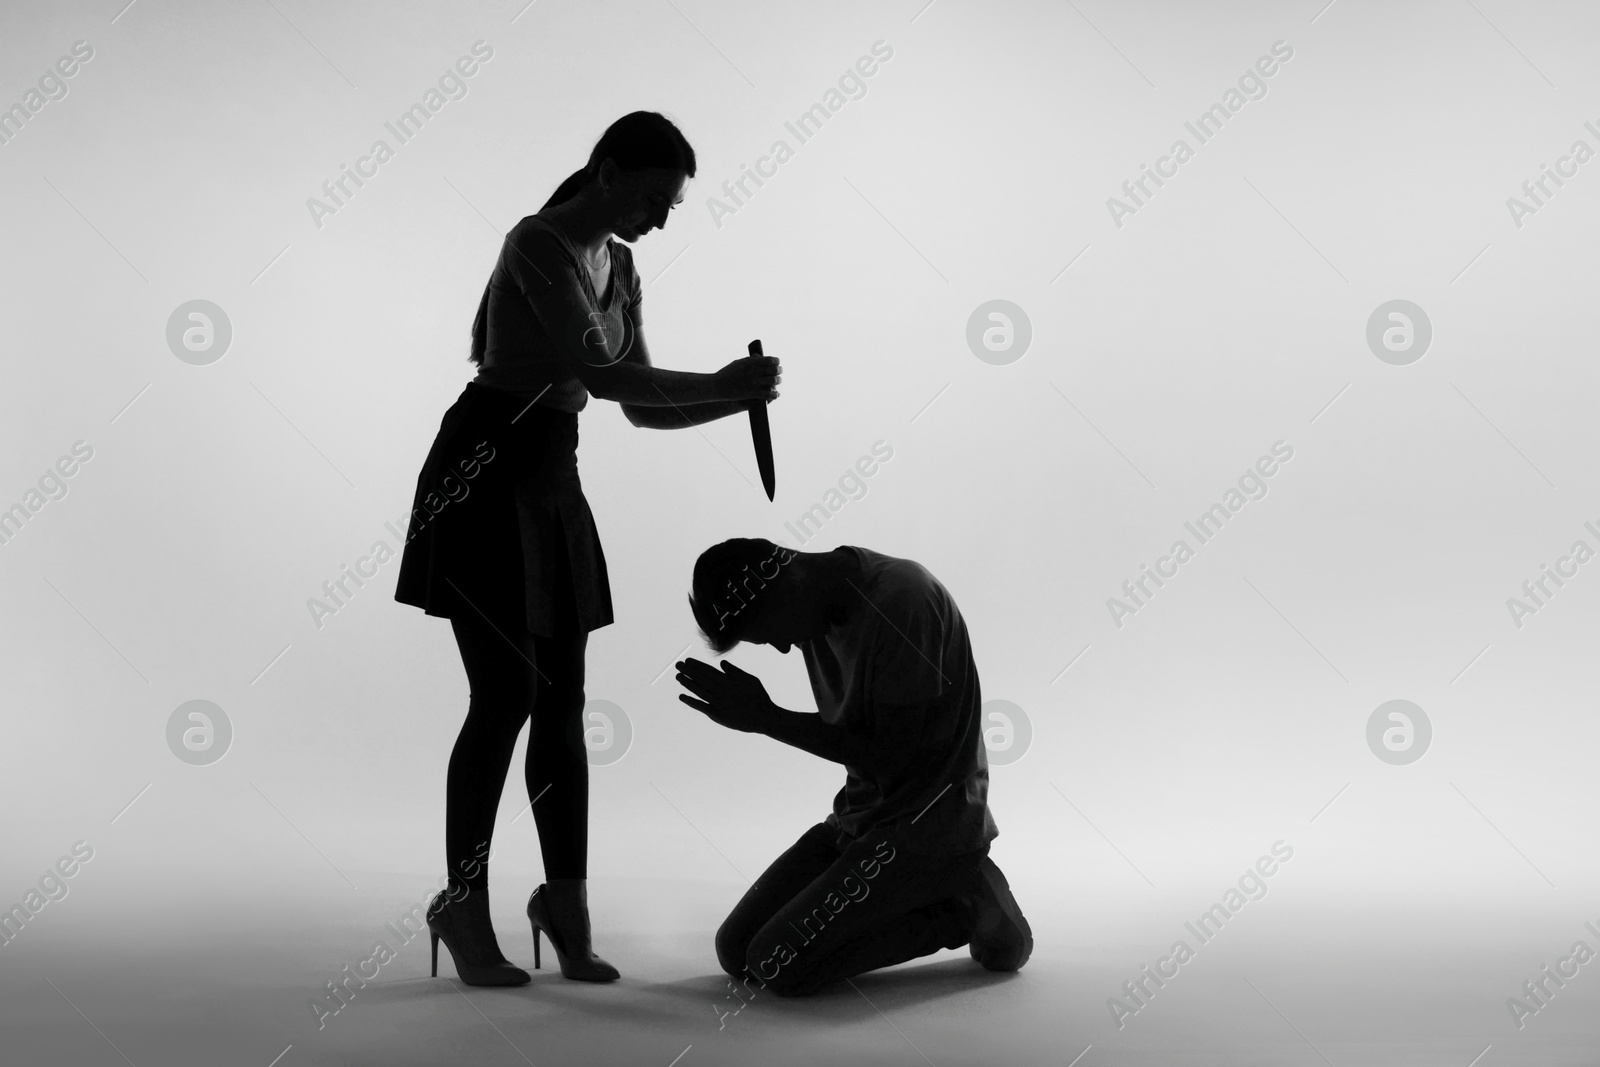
832	742
736	699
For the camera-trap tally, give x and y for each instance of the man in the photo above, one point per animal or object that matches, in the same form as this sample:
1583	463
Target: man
900	869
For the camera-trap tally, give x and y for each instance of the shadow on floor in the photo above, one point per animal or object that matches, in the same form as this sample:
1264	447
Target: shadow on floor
711	995
863	996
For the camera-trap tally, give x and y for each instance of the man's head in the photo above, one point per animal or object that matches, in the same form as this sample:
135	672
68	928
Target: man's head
746	589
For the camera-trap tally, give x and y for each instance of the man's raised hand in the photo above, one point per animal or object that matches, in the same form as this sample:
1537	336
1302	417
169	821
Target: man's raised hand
730	697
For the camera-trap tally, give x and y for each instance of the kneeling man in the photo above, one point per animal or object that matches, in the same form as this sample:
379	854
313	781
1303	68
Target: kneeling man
900	869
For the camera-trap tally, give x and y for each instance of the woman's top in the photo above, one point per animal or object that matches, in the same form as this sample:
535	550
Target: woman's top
519	355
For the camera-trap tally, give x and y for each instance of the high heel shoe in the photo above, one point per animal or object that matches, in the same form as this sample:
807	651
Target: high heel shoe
573	951
463	925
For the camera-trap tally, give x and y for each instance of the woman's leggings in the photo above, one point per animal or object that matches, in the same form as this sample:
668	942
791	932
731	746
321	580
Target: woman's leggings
516	676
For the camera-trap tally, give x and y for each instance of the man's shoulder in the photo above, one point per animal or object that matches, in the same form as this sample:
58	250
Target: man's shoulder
893	570
903	584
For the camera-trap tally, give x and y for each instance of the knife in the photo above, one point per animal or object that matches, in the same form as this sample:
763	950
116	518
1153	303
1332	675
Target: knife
761	436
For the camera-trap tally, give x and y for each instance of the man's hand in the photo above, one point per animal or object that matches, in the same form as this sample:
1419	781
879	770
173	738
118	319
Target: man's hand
729	697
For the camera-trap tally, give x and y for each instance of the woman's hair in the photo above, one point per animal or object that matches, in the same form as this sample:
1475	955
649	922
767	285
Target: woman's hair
639	140
727	587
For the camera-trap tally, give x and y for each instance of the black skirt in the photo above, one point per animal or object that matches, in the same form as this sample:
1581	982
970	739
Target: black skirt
499	528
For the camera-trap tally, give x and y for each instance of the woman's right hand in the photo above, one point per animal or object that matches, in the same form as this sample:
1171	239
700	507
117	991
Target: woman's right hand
749	378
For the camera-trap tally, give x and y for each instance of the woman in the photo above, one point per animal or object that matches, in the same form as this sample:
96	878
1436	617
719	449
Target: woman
502	542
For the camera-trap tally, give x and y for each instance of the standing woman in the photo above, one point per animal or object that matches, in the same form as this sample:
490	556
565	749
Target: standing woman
502	542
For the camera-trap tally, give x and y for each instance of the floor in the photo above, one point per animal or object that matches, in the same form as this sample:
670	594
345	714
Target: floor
1288	981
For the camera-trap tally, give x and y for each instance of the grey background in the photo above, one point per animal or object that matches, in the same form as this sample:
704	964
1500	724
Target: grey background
1166	356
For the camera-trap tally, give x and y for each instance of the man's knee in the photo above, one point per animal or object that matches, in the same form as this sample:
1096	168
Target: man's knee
793	980
779	971
791	984
732	945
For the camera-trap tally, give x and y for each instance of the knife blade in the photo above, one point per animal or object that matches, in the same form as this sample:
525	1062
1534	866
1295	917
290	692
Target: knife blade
761	436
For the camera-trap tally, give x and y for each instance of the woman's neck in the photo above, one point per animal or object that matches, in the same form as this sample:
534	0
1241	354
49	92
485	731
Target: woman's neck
581	220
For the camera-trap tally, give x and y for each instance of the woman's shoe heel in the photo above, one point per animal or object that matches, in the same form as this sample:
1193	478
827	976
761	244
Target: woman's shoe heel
573	953
465	930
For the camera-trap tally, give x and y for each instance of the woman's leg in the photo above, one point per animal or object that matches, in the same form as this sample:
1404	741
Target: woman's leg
502	674
558	766
558	784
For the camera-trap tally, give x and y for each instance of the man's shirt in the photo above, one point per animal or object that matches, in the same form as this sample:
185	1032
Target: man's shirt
899	671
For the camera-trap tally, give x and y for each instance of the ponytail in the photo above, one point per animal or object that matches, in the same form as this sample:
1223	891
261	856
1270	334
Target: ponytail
569	188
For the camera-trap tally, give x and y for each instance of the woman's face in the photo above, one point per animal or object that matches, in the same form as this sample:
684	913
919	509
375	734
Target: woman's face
641	199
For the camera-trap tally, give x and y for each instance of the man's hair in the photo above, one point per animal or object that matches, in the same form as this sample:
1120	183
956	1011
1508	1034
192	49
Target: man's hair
726	594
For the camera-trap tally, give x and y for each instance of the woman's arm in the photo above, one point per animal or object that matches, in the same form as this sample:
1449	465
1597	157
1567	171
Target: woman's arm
676	416
568	320
679	417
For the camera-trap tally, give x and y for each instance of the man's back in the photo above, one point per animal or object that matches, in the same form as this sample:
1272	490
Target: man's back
900	670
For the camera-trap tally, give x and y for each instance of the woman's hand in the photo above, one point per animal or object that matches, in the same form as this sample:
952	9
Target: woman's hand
729	697
749	378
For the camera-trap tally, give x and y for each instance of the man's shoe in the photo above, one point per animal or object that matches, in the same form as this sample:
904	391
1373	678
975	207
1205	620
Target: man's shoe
1001	937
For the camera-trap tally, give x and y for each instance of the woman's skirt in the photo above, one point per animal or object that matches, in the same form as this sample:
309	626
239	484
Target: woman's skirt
500	529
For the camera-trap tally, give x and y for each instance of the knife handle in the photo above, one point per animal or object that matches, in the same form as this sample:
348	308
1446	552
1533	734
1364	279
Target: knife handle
755	350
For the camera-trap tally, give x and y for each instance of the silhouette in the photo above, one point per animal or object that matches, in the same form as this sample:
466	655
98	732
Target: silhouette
901	867
502	542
